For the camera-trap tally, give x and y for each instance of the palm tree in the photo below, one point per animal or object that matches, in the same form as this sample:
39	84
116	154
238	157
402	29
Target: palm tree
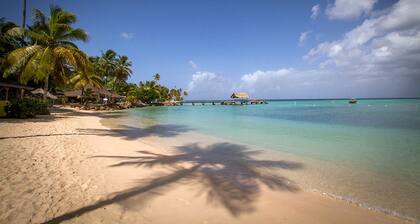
52	54
108	63
156	77
81	80
149	91
122	70
9	40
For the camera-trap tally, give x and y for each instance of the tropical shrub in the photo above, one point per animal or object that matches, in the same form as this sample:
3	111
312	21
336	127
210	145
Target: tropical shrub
26	108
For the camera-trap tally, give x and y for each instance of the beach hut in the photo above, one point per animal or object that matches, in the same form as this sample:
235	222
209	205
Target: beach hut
241	97
10	91
5	92
99	93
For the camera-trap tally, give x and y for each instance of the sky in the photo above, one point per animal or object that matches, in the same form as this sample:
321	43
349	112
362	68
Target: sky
270	49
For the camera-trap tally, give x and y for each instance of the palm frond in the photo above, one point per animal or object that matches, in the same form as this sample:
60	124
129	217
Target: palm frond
46	64
19	58
75	34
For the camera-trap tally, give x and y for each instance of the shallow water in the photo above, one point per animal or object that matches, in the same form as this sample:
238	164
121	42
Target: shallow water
367	152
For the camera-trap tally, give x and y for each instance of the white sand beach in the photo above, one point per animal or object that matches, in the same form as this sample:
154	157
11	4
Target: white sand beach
70	168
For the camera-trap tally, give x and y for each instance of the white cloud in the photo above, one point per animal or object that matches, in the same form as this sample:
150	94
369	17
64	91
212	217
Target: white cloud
385	45
322	83
127	36
379	57
315	11
193	65
209	85
348	9
303	36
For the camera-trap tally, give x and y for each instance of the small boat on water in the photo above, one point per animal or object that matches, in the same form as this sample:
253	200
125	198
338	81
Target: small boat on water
352	101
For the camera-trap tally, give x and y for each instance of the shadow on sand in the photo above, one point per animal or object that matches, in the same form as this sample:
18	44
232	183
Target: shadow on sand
61	113
228	174
131	133
123	131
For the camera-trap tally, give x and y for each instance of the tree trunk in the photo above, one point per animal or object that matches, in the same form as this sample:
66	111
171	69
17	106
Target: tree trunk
24	14
44	96
24	22
83	95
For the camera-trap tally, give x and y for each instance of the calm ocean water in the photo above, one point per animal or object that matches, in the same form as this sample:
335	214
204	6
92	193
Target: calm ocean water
370	151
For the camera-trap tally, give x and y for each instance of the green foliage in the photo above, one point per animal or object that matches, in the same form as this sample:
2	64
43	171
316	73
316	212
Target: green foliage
52	56
45	53
26	108
156	77
153	92
8	41
114	69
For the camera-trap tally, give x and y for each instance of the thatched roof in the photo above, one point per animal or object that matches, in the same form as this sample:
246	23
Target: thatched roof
240	95
43	92
73	93
96	91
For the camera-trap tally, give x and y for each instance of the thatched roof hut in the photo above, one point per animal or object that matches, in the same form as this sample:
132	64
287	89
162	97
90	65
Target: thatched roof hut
4	90
240	95
96	91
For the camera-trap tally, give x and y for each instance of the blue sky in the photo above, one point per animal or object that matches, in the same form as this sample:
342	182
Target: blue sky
212	48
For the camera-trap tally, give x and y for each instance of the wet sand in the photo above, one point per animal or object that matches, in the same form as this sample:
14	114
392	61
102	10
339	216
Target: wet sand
71	168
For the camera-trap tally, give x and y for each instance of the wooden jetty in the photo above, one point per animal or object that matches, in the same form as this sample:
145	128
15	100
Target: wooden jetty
239	98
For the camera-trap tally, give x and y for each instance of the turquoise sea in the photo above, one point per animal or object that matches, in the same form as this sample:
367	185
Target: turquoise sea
367	153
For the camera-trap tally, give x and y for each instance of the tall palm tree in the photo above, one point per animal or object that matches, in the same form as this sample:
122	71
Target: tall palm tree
53	54
122	72
81	80
156	77
123	69
108	62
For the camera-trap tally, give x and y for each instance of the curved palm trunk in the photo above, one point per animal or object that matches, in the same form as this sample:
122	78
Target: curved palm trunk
83	95
44	96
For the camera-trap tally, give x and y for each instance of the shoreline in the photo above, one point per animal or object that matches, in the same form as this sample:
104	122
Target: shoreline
267	152
99	182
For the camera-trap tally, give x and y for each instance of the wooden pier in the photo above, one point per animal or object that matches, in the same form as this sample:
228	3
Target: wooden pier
222	102
237	98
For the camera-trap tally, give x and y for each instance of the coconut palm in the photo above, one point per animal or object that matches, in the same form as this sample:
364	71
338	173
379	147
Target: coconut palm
52	55
108	63
122	70
81	80
7	42
149	91
156	77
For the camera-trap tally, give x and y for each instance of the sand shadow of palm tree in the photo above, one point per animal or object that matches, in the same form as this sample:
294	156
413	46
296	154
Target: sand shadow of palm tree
132	133
123	131
228	173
